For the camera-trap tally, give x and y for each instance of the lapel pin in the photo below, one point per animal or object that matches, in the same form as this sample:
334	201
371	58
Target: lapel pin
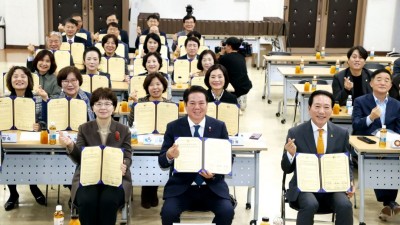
209	129
331	135
117	135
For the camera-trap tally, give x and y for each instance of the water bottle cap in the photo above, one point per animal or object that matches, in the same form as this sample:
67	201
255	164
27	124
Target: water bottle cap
384	126
133	123
59	208
265	219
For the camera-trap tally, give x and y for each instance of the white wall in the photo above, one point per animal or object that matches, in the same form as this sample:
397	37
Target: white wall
2	2
396	28
380	24
24	22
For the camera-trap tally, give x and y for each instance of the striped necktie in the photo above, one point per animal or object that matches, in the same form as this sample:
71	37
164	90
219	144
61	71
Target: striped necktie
320	143
199	179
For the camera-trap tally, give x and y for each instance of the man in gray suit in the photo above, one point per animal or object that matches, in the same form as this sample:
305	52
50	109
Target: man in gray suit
304	139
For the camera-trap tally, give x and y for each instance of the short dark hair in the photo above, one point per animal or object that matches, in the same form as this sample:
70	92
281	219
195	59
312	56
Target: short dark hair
112	24
29	88
188	17
112	14
216	67
70	20
108	36
202	54
378	71
320	92
154	37
194	34
155	54
153	16
234	42
76	14
92	49
194	89
195	39
360	49
64	72
103	93
150	77
40	56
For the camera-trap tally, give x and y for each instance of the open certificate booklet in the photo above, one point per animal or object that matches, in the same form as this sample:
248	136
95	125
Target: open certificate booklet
17	113
211	154
67	113
329	173
101	164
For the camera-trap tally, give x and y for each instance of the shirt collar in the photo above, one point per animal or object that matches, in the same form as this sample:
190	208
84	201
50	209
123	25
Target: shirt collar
202	123
379	102
315	128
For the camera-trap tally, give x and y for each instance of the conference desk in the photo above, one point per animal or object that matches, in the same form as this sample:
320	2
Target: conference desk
273	61
304	96
29	162
290	78
374	172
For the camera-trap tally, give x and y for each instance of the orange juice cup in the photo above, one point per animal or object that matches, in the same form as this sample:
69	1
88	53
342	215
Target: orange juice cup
307	86
318	55
333	70
181	106
336	109
124	106
44	137
179	85
297	69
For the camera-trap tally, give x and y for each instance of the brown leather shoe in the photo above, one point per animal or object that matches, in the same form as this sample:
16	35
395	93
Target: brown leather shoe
396	209
385	213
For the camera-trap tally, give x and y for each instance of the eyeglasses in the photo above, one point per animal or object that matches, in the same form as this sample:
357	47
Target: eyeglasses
66	82
101	104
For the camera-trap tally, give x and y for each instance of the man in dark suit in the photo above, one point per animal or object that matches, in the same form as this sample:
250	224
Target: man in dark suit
317	134
192	45
110	19
179	193
355	79
71	28
370	112
153	20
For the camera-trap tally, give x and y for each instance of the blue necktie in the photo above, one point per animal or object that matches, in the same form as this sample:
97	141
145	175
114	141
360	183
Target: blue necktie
199	179
70	41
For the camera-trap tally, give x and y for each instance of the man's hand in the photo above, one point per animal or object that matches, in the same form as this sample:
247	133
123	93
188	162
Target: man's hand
206	174
348	85
375	113
173	152
351	193
290	146
175	37
37	127
60	27
65	140
138	31
95	37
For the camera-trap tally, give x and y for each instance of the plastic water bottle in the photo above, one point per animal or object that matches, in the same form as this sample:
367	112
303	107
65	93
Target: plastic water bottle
265	221
59	216
302	65
349	105
382	137
337	66
169	87
372	53
52	135
314	83
134	137
323	52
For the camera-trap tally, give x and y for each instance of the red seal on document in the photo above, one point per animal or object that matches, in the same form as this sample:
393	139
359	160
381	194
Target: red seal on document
117	135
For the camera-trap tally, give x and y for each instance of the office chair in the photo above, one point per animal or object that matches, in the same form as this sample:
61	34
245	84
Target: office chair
294	205
373	66
296	100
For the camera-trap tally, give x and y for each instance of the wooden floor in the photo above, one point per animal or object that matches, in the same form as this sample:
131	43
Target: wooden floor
259	117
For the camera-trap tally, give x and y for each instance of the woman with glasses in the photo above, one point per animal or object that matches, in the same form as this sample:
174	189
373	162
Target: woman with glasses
99	204
155	85
355	79
20	83
70	79
217	80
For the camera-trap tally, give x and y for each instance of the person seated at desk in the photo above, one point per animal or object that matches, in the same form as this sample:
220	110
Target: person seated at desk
217	81
155	85
78	18
20	83
206	59
355	79
152	43
110	45
210	191
71	28
395	90
370	112
235	63
70	79
189	22
99	204
53	43
112	28
112	18
317	136
193	33
153	21
192	45
91	63
152	62
45	65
